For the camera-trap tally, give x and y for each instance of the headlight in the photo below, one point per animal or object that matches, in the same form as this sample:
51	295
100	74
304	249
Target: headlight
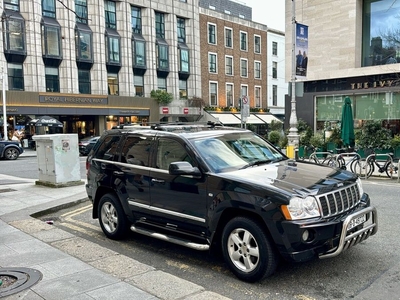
360	188
301	208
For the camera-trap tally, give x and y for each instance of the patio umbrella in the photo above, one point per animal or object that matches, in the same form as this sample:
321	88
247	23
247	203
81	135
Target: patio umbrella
347	124
46	121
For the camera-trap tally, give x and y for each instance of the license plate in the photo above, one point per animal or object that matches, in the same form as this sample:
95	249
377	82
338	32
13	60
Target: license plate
357	221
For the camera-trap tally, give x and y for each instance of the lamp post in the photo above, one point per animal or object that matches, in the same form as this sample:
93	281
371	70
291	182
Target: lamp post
4	105
293	136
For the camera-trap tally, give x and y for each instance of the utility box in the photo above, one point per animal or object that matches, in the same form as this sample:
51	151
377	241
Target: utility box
58	159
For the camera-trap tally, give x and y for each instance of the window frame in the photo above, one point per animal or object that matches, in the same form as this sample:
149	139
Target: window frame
213	83
275	70
243	43
13	76
257	46
227	66
274	48
110	14
274	95
257	98
212	36
232	103
210	63
136	19
242	69
257	71
228	39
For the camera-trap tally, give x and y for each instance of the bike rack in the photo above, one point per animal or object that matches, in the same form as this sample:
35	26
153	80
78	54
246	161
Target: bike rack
347	154
375	155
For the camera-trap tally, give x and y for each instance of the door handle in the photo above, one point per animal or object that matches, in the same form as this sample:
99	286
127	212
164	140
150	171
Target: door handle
158	180
118	173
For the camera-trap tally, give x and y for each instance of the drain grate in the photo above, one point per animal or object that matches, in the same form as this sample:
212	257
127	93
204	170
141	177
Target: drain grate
6	190
14	280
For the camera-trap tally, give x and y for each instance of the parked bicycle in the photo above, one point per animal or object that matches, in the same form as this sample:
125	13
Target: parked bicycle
347	164
365	168
321	158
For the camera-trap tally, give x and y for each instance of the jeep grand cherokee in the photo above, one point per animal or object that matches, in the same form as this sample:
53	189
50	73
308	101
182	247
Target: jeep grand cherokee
206	186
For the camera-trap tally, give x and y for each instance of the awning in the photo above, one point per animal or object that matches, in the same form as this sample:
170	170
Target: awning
252	119
267	118
226	118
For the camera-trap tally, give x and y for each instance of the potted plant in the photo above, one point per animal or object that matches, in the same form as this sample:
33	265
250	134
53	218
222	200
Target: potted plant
274	137
373	137
395	144
161	96
334	141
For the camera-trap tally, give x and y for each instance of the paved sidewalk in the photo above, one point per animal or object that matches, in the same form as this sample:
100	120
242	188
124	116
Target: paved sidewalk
72	268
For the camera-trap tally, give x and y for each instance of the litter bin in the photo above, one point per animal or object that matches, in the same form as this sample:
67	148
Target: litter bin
58	159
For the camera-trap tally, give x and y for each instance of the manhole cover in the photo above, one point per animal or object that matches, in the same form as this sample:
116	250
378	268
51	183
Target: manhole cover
14	280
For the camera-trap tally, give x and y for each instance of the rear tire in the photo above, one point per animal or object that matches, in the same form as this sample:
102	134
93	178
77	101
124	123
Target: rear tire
247	250
112	218
362	168
390	169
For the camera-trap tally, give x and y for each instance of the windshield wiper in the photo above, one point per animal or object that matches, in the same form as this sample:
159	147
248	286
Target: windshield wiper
256	163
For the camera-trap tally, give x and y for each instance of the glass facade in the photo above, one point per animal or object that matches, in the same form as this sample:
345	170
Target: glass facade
381	44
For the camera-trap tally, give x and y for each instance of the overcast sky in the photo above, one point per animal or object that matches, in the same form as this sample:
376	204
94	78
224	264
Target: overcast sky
268	12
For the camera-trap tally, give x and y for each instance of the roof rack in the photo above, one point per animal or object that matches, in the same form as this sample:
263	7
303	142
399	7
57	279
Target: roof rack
170	126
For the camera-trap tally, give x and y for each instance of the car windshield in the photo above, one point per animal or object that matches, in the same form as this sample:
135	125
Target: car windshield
235	151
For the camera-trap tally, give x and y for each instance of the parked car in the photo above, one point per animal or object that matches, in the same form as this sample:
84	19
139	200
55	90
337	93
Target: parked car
86	144
213	187
10	150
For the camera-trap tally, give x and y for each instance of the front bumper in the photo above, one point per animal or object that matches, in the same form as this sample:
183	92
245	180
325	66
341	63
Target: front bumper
329	238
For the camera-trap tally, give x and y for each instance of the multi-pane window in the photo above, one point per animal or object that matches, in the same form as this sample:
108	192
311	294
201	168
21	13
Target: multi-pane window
212	34
274	48
212	62
257	44
183	89
229	94
257	96
257	69
110	14
52	79
243	67
274	95
136	19
160	25
11	5
112	45
83	43
244	90
274	69
51	45
81	11
162	83
184	60
49	8
213	94
139	53
84	81
139	85
162	57
228	37
15	77
228	65
112	80
14	34
181	30
243	41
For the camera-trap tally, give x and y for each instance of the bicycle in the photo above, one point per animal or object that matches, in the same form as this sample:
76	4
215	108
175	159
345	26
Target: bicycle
345	164
327	158
367	168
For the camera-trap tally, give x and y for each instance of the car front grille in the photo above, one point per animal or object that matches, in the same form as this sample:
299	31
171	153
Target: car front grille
339	201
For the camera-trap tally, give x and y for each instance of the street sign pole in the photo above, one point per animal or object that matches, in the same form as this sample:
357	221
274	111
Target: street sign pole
244	111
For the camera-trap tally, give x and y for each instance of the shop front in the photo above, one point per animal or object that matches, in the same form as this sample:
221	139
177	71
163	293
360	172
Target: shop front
373	98
86	115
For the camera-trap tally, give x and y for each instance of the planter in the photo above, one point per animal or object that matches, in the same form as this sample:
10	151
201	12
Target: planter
396	152
331	146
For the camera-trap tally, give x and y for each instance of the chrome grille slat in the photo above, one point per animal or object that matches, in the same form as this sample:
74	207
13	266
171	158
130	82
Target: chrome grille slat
338	201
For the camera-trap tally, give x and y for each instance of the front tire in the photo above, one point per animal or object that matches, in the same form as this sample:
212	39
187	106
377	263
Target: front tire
112	218
247	250
11	154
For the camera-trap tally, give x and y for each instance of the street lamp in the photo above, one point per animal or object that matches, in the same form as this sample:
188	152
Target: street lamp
293	136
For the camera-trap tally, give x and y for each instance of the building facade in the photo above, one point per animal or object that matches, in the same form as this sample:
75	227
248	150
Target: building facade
93	64
230	7
277	85
353	51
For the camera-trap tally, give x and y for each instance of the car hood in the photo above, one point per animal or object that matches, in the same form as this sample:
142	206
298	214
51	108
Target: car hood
293	177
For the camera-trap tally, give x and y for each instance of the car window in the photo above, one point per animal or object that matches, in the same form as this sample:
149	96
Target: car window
136	150
171	151
108	147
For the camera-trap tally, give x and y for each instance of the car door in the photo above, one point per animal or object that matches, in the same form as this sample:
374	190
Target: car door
177	202
134	170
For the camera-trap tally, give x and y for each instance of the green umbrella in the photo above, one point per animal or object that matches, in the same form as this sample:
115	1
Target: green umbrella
347	125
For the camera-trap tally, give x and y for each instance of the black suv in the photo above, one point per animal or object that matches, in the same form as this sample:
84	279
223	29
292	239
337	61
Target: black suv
10	150
206	186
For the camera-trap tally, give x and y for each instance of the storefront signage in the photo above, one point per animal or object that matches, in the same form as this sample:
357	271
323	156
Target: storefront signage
375	84
72	100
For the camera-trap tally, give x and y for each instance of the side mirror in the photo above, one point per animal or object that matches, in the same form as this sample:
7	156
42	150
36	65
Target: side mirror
183	168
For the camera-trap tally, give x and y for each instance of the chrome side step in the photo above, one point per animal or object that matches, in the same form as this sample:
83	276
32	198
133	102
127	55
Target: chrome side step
168	238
